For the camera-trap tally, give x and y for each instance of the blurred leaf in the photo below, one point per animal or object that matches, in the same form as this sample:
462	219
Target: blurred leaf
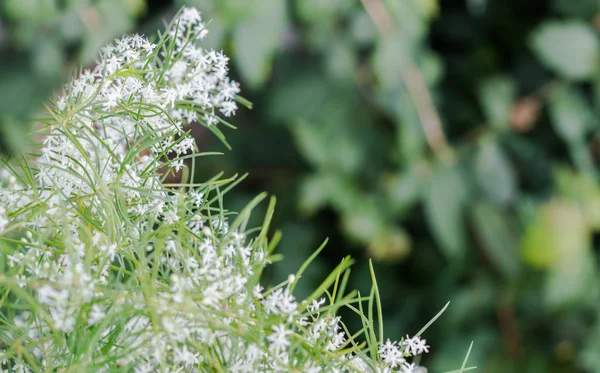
497	95
469	303
391	245
346	141
317	190
559	231
570	113
340	61
403	189
300	98
20	9
570	48
590	358
571	118
362	28
21	93
135	6
411	144
445	200
411	24
583	190
411	138
432	67
234	11
108	19
71	27
570	281
477	7
499	240
537	246
13	135
391	57
326	147
579	8
590	202
311	143
320	10
321	35
217	34
427	8
363	223
389	60
494	172
257	39
48	59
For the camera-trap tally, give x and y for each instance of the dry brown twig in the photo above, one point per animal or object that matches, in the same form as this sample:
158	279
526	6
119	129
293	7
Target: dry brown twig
414	81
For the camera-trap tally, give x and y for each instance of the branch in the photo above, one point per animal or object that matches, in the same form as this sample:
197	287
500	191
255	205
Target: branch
414	81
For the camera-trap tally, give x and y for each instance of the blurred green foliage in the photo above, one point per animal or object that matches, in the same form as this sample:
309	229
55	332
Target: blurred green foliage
495	207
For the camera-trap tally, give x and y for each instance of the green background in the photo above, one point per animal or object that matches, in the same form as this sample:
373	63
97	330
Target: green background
454	142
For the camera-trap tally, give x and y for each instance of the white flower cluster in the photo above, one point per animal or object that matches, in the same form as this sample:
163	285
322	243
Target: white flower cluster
394	353
109	270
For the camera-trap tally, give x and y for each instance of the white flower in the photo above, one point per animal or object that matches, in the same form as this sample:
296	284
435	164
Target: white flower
169	96
315	305
196	223
390	354
3	220
170	216
190	15
96	212
408	367
210	119
257	291
96	314
228	108
280	302
197	197
177	165
279	338
415	346
185	357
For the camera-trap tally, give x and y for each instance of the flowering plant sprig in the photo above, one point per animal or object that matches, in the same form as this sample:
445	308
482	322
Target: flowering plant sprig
104	268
